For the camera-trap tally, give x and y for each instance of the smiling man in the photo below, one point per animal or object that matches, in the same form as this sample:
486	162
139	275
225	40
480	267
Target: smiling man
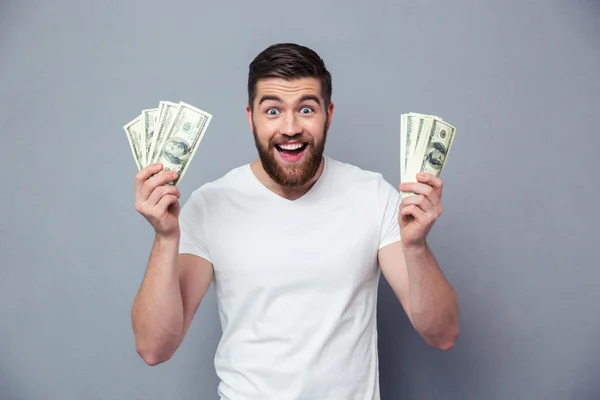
295	243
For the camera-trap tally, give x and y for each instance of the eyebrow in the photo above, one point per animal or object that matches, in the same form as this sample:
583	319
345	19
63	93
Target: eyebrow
278	100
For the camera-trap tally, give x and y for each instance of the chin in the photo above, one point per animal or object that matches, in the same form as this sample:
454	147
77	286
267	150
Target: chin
290	163
292	168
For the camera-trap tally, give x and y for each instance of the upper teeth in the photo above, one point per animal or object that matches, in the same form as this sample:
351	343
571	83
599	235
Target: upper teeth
290	146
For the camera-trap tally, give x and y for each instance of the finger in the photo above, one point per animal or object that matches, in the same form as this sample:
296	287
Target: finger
433	181
142	176
157	180
161	191
413	210
423	189
418	200
165	202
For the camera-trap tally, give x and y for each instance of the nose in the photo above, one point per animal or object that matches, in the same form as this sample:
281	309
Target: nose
291	125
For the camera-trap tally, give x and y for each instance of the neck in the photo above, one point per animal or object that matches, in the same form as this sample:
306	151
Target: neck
285	192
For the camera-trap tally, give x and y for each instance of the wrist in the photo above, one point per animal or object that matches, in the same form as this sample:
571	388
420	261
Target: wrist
170	239
415	248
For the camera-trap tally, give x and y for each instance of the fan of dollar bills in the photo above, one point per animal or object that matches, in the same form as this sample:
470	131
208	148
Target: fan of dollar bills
168	134
425	142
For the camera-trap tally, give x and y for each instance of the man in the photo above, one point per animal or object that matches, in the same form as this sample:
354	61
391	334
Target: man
294	242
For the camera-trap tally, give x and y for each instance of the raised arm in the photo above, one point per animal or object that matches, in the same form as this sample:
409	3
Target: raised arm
174	284
409	266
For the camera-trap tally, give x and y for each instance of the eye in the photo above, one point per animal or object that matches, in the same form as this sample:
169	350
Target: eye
305	110
272	111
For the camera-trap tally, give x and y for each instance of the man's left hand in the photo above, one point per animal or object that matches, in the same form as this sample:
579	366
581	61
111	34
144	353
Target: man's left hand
419	212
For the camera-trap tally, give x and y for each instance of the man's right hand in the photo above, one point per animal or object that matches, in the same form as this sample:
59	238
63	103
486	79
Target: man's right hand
157	200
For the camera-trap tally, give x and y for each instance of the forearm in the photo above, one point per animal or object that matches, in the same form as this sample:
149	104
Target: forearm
433	302
157	313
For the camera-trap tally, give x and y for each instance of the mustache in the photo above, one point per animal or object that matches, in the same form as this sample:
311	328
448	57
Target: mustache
299	138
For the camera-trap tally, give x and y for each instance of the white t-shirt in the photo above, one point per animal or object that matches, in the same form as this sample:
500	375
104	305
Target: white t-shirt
296	281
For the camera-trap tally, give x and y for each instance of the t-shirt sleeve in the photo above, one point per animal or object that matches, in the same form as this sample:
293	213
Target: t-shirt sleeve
193	238
389	203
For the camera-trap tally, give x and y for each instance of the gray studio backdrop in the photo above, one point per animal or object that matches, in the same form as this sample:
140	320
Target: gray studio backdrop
518	238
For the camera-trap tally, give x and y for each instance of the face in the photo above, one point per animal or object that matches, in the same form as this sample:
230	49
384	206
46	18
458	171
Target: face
290	123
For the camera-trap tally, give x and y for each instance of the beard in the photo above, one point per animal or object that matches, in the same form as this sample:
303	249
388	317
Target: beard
292	175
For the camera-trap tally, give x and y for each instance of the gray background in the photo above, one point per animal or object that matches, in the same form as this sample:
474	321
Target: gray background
518	239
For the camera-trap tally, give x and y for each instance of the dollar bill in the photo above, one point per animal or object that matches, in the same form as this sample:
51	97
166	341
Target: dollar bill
166	112
135	132
410	137
403	138
169	134
427	141
148	122
414	124
438	142
182	138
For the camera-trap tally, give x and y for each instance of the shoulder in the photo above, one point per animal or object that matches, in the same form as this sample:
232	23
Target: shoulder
368	193
359	179
230	184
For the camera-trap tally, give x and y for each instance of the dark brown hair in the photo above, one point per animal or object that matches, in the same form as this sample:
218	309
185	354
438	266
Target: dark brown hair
288	61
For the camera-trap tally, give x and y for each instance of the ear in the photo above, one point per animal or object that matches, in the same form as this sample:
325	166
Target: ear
249	115
329	114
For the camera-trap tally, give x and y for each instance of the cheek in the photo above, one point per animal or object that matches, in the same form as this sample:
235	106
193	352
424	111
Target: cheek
315	128
264	131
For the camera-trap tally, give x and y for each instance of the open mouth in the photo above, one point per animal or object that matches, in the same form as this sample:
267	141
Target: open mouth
291	152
